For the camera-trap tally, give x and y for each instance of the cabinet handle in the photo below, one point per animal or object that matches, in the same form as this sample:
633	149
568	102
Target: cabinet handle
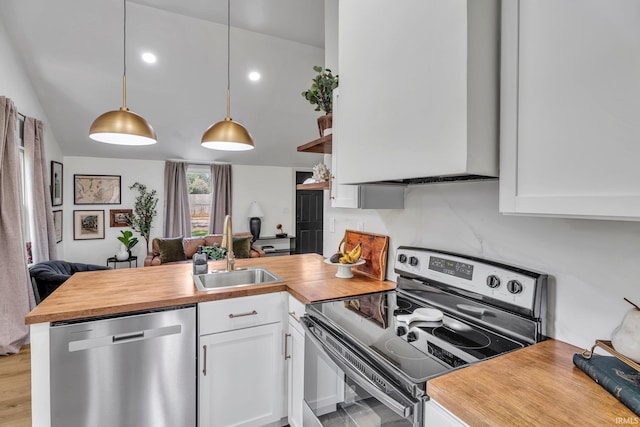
286	347
253	313
293	314
331	187
204	360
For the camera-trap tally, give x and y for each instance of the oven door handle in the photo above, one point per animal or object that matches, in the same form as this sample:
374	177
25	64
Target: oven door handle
397	407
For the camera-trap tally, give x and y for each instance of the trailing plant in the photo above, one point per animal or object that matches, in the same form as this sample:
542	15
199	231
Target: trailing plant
321	91
144	211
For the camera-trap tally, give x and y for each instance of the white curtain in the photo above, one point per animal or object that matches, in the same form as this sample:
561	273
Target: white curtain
221	200
177	217
43	235
16	294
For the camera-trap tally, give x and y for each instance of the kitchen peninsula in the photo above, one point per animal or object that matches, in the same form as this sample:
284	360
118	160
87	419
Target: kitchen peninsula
308	279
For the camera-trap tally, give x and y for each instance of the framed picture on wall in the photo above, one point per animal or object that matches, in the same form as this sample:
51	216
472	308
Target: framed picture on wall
56	183
96	189
57	225
118	217
88	225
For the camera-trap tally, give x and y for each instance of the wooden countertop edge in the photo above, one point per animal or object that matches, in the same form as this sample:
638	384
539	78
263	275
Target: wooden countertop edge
314	282
536	385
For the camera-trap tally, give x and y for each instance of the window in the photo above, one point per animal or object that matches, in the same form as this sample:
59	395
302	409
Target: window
24	208
200	194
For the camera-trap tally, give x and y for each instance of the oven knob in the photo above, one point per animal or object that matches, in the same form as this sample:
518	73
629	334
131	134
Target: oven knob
401	330
514	286
493	281
411	337
413	261
402	258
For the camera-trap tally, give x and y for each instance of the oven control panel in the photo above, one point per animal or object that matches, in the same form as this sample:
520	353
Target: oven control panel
501	282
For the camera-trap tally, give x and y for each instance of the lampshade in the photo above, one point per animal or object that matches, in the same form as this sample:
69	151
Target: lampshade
255	211
123	127
228	135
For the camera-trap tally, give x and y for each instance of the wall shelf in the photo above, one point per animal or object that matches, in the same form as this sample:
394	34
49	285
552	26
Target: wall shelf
321	145
314	186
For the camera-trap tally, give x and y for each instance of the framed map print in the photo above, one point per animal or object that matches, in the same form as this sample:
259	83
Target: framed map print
96	189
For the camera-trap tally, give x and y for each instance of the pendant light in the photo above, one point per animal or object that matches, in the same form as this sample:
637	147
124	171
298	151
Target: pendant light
227	135
123	127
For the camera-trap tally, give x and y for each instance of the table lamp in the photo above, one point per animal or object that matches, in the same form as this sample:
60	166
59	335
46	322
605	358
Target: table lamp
254	214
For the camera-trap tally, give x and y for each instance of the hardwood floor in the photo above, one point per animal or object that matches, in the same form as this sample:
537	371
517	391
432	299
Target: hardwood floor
15	389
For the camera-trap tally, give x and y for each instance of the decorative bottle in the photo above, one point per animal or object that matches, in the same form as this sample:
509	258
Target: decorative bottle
200	265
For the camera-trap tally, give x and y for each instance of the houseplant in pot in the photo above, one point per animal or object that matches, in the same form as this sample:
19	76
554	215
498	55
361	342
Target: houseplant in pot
128	242
144	211
320	94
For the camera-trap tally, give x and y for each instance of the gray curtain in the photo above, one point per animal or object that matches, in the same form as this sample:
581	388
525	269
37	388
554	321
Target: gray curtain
43	235
177	217
16	295
221	200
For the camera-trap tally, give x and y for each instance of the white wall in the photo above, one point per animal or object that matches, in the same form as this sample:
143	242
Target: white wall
147	172
274	190
592	264
272	187
15	84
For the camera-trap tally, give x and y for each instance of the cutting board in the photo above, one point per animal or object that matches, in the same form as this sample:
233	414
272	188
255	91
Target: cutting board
374	252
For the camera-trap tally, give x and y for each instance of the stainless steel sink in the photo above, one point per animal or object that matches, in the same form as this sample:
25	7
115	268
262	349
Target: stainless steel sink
230	279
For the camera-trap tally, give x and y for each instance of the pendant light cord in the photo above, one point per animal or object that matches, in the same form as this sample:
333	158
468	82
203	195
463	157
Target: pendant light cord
228	59
124	57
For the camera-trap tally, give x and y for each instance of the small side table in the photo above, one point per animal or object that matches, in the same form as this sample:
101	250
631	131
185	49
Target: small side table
115	261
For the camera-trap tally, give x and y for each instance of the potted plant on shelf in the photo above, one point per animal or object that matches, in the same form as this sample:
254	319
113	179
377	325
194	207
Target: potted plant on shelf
128	242
144	211
320	94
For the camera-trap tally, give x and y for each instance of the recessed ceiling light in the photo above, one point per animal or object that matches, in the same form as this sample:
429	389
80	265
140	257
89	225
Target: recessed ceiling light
254	76
149	58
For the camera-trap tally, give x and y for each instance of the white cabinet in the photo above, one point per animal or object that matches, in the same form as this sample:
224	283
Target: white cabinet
356	196
295	365
570	109
242	365
418	89
436	415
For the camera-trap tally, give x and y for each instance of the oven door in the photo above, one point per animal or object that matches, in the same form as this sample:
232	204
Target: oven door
342	389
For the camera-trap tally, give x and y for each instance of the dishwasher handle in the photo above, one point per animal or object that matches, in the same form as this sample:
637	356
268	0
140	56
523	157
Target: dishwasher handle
127	337
107	340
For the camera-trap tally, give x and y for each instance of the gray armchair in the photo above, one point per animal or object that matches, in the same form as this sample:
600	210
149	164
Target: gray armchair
47	276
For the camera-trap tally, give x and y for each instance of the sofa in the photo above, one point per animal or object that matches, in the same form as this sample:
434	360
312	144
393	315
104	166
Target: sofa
167	250
47	276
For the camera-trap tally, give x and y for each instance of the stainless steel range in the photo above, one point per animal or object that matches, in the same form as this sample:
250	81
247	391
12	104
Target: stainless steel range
367	360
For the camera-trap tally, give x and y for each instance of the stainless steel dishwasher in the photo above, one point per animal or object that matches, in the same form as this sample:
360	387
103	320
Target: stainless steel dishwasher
133	370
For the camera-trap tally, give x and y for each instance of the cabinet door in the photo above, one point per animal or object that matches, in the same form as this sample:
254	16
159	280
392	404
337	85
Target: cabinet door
570	109
242	377
342	196
436	415
295	375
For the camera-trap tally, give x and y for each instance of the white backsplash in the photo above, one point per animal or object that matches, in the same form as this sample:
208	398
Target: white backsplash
592	264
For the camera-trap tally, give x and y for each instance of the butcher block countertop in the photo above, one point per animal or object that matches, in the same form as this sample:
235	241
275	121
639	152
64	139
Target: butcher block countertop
104	292
534	386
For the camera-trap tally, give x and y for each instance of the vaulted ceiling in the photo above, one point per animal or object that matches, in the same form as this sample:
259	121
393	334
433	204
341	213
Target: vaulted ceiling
72	51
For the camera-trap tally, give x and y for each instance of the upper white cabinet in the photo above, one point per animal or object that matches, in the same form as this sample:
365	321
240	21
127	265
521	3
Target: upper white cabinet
418	89
570	108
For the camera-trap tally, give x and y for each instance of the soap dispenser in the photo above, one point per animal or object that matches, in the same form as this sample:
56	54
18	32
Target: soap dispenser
200	265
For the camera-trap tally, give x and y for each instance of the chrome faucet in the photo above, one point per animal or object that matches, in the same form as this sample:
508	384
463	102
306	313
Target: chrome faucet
227	241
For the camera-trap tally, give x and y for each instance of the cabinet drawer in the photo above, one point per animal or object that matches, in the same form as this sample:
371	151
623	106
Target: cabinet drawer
296	309
237	313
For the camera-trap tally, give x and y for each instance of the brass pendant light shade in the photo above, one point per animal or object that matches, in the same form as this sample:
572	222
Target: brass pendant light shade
123	127
227	135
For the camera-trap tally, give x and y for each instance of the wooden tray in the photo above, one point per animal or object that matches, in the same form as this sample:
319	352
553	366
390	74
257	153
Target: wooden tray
374	252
